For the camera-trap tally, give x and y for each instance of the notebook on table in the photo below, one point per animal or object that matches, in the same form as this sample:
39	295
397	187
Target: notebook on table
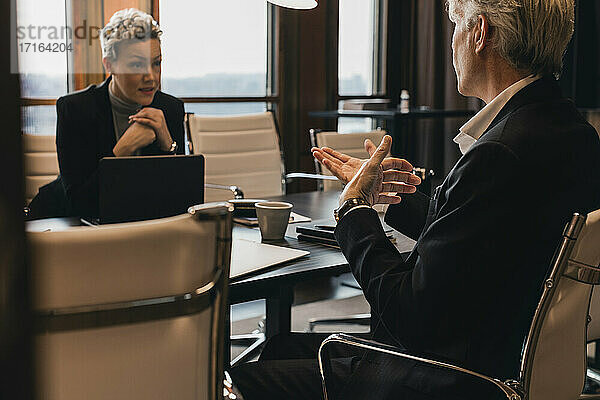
323	234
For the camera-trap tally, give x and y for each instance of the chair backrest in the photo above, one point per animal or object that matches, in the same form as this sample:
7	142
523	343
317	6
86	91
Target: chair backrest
554	357
239	150
348	143
593	332
40	162
133	310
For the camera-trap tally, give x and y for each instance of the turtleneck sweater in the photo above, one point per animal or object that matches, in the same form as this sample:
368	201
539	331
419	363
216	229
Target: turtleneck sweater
121	110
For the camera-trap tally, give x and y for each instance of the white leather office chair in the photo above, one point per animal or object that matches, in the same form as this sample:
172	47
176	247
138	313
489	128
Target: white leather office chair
243	156
134	310
593	330
239	151
40	162
593	335
553	364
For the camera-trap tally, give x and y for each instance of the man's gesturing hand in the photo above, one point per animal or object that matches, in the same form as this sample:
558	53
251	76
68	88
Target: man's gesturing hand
375	185
342	166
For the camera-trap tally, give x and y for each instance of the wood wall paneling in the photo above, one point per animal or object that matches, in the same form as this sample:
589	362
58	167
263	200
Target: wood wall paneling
86	60
307	80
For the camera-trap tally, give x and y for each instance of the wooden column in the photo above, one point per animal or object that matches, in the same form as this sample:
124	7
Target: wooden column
86	62
16	360
85	66
308	80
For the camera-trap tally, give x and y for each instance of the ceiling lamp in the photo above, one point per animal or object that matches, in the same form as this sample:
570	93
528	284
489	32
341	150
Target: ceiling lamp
298	4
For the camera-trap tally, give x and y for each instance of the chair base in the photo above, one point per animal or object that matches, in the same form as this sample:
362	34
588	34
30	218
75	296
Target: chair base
254	341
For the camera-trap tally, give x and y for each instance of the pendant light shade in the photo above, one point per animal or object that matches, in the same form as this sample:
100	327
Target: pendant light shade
297	4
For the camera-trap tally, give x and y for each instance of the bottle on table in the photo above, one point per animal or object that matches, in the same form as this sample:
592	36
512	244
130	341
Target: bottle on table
404	103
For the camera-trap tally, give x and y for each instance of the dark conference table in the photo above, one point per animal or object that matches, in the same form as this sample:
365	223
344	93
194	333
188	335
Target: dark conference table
402	142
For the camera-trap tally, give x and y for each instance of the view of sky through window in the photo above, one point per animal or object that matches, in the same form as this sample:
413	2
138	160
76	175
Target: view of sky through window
44	73
214	48
356	47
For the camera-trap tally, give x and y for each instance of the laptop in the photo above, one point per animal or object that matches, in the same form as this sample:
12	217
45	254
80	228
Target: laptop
148	187
249	257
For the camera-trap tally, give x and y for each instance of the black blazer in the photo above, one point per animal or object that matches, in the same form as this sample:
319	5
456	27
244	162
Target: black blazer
469	289
85	133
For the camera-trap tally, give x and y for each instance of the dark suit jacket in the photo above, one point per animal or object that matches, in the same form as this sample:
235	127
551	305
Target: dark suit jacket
468	290
85	133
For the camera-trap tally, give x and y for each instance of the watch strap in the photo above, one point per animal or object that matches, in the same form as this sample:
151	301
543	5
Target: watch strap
349	205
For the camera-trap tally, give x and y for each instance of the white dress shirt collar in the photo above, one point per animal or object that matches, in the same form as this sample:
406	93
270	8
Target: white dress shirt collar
476	126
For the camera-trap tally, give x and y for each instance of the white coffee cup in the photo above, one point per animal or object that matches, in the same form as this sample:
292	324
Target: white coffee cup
273	218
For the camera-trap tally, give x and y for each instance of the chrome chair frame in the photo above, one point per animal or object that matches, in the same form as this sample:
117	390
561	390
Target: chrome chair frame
562	265
507	388
145	310
235	190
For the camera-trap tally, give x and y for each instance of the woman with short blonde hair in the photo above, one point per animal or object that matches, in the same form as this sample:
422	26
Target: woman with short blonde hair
126	115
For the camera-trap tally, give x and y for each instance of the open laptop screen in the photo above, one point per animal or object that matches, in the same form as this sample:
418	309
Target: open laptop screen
140	188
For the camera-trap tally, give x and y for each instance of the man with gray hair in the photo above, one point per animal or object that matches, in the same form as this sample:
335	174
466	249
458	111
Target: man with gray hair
467	292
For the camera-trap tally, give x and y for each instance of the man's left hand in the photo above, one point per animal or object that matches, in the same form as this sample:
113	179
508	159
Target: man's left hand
368	183
155	119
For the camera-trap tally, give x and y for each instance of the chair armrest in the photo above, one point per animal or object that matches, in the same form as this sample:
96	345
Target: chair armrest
509	388
319	177
236	190
294	175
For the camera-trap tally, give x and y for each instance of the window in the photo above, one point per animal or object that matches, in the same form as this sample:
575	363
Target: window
43	72
357	24
216	52
361	56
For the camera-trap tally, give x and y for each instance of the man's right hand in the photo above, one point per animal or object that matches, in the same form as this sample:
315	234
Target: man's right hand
345	167
134	138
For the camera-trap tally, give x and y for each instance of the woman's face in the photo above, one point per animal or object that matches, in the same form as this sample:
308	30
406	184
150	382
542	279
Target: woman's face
136	71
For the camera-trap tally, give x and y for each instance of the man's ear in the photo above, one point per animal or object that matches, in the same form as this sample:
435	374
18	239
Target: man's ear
108	67
481	34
